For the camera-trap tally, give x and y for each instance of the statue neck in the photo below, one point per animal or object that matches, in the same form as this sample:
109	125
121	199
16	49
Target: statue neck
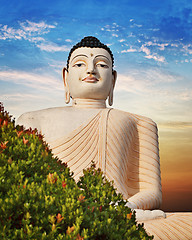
88	103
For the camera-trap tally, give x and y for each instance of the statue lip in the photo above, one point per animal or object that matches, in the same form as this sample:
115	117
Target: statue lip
90	79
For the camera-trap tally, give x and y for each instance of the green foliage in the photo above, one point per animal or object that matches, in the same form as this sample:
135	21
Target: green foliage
39	198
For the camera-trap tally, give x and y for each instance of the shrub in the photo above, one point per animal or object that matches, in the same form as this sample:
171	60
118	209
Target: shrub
39	198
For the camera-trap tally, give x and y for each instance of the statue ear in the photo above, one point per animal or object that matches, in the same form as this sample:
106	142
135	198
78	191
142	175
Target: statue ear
114	77
66	86
110	98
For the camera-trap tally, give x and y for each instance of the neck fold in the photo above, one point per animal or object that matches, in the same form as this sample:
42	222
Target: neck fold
88	103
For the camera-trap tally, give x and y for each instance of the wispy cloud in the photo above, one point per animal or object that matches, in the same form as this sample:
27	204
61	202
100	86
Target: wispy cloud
160	42
68	40
31	80
33	27
33	32
21	96
187	48
145	50
156	58
52	47
149	81
57	65
121	40
136	25
175	125
27	30
160	45
130	50
113	29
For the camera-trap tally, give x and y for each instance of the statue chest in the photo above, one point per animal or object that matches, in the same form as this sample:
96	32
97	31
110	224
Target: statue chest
107	140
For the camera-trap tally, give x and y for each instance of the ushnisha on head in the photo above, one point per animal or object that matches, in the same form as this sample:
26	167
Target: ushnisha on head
89	73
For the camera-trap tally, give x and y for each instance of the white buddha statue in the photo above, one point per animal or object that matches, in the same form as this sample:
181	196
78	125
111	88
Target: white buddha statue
123	145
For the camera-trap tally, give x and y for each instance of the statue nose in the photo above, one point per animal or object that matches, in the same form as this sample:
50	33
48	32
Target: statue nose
90	68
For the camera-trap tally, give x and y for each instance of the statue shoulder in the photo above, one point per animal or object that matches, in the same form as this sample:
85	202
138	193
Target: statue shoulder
35	119
145	122
134	118
30	119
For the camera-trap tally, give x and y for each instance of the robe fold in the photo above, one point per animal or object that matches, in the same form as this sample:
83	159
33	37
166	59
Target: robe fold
125	147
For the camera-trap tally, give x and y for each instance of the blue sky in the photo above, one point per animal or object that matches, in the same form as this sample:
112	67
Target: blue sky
151	42
152	45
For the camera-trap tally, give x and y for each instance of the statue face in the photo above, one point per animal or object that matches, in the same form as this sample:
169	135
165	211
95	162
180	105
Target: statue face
90	73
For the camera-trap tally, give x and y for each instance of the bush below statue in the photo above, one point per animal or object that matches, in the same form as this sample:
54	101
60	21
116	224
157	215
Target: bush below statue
39	198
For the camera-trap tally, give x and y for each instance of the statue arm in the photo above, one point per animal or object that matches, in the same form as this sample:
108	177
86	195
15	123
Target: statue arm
149	195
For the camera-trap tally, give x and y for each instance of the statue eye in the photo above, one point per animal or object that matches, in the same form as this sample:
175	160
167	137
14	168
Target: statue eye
102	65
79	64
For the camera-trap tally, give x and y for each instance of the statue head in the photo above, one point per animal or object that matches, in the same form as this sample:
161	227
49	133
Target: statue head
89	73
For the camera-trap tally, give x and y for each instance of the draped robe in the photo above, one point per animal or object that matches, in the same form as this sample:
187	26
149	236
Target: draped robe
120	144
125	147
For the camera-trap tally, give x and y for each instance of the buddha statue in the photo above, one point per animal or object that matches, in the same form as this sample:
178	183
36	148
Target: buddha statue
122	144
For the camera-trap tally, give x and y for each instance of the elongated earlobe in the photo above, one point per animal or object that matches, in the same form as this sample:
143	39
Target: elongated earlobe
67	93
110	98
67	97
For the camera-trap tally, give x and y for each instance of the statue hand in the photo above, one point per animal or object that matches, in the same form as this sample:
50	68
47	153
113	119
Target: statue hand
142	215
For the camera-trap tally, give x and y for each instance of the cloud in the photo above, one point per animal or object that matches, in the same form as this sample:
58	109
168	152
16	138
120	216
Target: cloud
175	125
129	50
114	29
32	27
127	84
156	58
166	39
154	29
157	88
131	35
28	31
57	65
52	47
32	31
149	81
31	80
185	94
187	48
145	50
36	39
160	45
152	48
153	56
68	40
122	40
115	35
174	45
137	25
20	96
116	25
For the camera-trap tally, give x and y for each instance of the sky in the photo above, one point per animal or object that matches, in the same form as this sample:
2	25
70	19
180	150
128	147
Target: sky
152	46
